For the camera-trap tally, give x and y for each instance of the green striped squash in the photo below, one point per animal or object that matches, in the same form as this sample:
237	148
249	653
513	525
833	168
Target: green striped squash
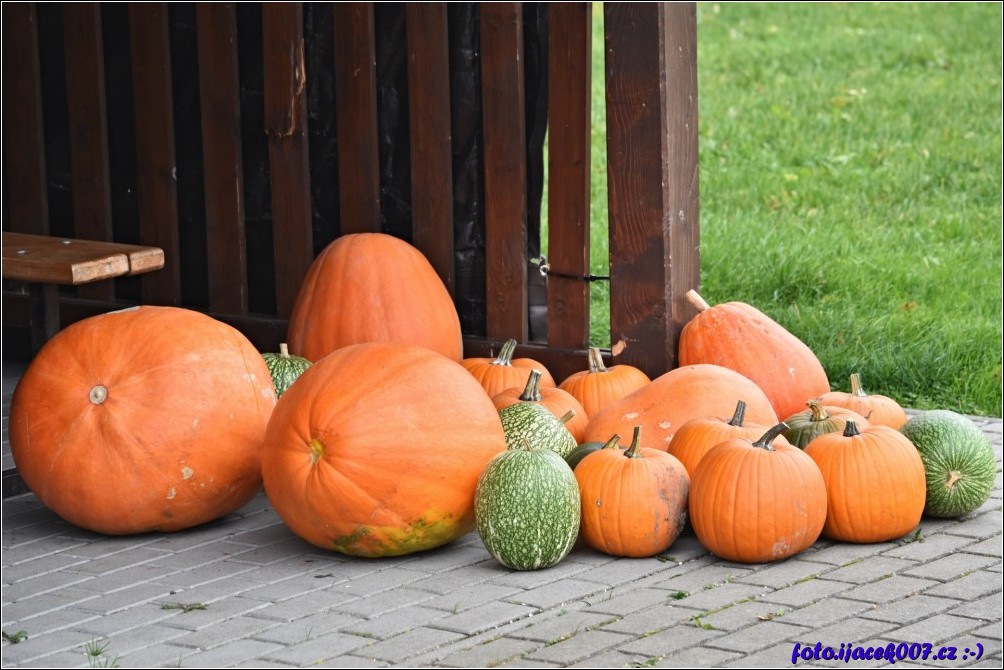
284	368
534	423
527	508
959	462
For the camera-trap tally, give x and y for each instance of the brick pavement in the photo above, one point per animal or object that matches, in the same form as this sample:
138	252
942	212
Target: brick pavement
245	592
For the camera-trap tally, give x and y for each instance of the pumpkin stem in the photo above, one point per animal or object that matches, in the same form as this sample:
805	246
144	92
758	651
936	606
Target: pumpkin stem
954	476
695	299
851	429
856	386
768	437
316	451
98	394
284	350
505	353
596	360
524	444
817	410
737	418
532	391
632	451
567	416
612	442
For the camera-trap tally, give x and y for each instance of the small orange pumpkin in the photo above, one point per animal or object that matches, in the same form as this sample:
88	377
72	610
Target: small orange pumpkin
145	419
878	409
599	386
504	372
875	484
699	436
634	501
557	402
757	502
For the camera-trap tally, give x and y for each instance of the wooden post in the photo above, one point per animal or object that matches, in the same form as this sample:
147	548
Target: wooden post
651	70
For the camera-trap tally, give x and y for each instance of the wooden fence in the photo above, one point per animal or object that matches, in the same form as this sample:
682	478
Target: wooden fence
242	138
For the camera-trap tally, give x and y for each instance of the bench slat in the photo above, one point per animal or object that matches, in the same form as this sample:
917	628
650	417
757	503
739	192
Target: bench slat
38	258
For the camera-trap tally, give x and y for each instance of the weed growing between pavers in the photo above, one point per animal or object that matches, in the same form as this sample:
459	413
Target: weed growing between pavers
96	657
14	638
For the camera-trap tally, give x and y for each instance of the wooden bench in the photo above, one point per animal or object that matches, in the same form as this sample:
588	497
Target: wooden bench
48	262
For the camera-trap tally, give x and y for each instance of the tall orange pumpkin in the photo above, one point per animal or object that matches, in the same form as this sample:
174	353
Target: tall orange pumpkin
377	448
742	338
662	406
372	287
757	502
145	419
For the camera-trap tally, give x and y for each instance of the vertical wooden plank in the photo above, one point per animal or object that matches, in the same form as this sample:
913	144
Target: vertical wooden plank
156	167
429	126
85	95
356	117
286	127
653	180
219	95
569	80
26	199
505	170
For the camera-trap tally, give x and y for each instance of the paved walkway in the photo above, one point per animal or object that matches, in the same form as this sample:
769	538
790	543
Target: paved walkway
244	591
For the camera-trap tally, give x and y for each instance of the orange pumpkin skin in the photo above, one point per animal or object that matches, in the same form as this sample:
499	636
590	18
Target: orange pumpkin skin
634	501
875	483
146	419
377	449
742	338
753	505
699	436
662	406
599	386
880	410
505	372
556	401
372	287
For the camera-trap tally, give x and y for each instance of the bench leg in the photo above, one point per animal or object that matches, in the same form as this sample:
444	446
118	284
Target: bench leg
44	313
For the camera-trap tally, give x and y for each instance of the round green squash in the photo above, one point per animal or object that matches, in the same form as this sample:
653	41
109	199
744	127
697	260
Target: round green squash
959	462
576	455
527	508
284	368
534	423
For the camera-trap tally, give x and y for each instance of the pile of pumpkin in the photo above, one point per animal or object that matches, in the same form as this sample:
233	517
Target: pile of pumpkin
160	419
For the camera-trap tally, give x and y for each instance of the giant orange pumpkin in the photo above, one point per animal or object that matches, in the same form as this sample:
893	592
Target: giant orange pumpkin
662	406
372	287
377	448
742	338
146	419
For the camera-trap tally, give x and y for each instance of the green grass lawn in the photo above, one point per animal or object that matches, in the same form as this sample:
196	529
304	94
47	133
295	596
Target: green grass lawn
851	176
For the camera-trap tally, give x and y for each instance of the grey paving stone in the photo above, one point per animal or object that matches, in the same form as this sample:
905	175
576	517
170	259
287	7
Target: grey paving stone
980	526
784	573
554	594
395	623
698	657
611	658
39	646
408	644
197	576
758	636
32	588
624	571
530	579
864	570
822	612
842	553
890	588
229	630
775	656
703	577
385	601
489	654
124	620
284	587
670	641
297	607
806	592
721	595
969	587
226	655
929	547
988	608
41	567
989	547
130	596
303	629
951	567
559	625
465	598
648	621
154	656
578	646
527	663
464	577
624	602
740	615
211	615
910	609
941	628
22	611
485	616
374	582
853	630
450	558
317	650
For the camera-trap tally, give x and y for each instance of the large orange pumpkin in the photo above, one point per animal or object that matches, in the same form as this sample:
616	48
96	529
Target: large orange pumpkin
372	287
742	338
146	419
377	448
662	406
757	502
